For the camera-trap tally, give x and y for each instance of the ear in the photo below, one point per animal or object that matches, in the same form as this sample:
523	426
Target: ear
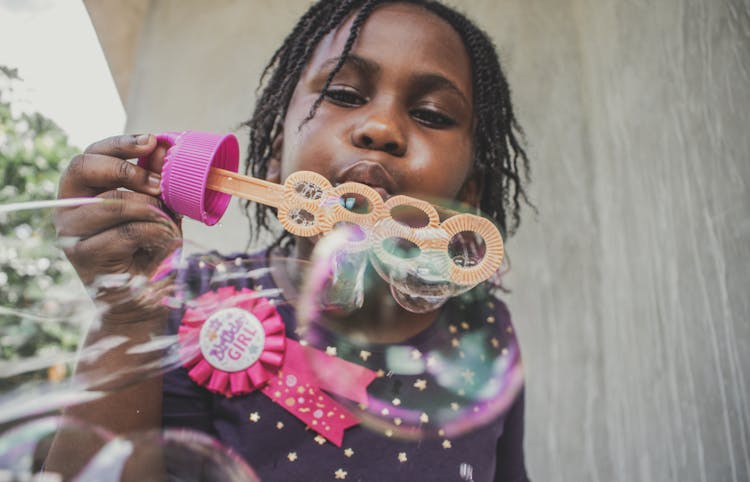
471	191
274	162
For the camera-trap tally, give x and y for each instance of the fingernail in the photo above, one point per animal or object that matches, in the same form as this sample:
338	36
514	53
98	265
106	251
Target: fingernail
143	139
154	180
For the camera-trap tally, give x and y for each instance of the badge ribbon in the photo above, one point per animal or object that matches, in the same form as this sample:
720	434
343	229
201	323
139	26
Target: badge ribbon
233	342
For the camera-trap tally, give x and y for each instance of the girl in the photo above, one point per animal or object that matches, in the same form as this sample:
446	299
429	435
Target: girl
407	97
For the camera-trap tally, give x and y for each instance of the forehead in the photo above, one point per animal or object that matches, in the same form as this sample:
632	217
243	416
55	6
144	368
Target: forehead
403	37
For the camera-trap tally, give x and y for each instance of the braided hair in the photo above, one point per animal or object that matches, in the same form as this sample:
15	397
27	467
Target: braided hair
497	134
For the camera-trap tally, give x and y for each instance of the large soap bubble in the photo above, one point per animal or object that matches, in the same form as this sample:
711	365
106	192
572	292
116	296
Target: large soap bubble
167	455
441	351
45	312
25	447
446	358
61	448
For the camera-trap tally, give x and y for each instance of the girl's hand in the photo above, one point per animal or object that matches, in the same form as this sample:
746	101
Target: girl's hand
130	236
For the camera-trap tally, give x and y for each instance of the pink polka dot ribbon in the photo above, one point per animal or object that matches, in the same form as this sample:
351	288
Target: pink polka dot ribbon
233	342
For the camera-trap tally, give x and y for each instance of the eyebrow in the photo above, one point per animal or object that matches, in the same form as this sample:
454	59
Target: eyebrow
365	66
438	82
362	64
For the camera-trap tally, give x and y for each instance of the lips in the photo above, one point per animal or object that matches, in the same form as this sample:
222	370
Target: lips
372	174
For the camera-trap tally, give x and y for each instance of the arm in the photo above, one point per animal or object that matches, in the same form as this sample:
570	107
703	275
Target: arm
129	236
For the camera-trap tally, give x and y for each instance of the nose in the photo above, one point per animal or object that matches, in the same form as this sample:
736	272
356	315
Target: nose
380	131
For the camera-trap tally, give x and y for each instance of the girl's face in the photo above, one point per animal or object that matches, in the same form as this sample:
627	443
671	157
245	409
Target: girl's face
398	115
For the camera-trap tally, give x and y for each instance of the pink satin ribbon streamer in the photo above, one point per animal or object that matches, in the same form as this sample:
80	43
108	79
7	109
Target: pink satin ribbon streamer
299	390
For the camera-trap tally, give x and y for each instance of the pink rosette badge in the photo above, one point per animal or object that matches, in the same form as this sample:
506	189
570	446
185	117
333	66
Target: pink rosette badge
233	343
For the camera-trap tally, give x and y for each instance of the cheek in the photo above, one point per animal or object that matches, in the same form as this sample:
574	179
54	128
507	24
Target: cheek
296	140
310	148
462	160
444	168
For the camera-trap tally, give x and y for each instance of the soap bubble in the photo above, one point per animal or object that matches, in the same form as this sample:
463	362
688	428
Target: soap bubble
25	447
45	312
445	358
442	377
429	253
63	448
168	455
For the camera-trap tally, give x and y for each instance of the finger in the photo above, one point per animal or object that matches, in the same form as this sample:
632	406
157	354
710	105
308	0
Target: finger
124	147
115	250
155	161
143	146
89	174
119	207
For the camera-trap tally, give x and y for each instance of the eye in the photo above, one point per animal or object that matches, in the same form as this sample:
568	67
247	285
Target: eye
344	96
432	118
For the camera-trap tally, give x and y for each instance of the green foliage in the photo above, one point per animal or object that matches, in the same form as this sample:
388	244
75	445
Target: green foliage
33	152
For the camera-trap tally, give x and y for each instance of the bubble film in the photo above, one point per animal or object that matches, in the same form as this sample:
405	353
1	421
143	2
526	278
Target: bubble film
439	372
169	455
363	305
406	236
24	449
63	448
46	311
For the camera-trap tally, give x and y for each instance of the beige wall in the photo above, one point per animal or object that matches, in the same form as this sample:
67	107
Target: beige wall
630	289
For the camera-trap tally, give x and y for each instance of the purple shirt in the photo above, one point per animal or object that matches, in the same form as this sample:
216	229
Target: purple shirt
278	446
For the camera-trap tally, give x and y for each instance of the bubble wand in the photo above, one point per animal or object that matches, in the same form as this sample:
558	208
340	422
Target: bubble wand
200	176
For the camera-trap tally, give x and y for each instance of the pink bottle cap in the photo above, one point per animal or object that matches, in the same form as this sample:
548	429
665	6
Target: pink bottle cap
190	157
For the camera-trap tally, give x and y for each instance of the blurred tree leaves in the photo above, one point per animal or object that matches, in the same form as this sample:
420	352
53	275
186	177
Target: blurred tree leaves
33	149
33	152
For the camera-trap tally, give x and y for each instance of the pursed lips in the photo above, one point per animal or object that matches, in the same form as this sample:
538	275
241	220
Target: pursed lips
370	173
